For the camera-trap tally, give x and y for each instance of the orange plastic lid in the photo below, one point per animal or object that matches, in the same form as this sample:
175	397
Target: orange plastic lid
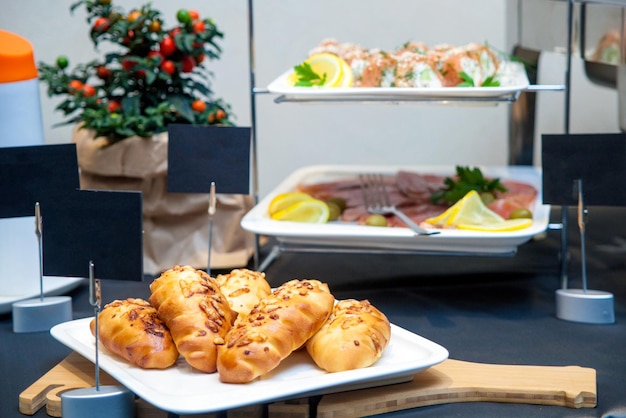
17	61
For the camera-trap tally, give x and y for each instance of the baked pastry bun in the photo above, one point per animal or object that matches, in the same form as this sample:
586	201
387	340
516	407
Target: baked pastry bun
243	289
276	326
354	336
131	329
196	312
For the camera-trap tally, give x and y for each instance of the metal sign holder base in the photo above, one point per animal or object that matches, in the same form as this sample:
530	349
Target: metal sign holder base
41	314
585	306
101	402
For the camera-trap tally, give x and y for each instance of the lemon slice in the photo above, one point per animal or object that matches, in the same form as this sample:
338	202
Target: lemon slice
348	77
504	226
440	220
311	211
284	200
337	70
469	210
329	64
292	78
473	211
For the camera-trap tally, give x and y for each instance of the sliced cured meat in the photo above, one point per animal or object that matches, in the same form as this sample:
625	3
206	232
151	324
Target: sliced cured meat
518	195
329	186
519	188
353	214
504	207
419	186
350	191
411	193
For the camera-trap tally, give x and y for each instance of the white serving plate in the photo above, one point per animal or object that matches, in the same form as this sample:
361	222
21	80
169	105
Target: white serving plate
19	265
52	286
182	390
346	235
514	79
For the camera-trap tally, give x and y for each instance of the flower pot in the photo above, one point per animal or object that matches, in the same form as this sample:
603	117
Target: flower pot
175	225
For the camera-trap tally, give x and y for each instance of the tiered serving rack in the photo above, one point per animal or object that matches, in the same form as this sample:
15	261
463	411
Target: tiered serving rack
510	98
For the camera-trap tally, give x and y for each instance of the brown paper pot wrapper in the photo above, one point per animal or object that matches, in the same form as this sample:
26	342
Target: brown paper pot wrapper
176	225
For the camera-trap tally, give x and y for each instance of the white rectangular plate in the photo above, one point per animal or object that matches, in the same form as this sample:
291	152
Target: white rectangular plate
513	79
338	234
182	390
52	286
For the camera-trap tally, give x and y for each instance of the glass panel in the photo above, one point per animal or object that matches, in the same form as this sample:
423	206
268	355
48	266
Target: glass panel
602	33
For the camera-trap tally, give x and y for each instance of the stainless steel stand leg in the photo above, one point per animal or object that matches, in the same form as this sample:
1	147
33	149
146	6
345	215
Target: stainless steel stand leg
273	255
564	248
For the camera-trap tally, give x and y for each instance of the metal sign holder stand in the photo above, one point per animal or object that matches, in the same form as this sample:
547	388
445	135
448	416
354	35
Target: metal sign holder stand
211	212
42	313
85	227
98	401
584	305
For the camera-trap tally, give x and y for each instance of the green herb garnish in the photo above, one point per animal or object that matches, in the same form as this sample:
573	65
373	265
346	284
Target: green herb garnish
467	179
469	81
490	82
307	77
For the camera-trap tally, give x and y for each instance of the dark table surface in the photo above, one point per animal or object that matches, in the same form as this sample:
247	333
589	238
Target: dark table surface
489	310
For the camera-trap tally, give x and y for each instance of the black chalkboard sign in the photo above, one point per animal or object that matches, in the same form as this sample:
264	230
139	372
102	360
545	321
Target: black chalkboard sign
199	155
88	225
31	174
599	160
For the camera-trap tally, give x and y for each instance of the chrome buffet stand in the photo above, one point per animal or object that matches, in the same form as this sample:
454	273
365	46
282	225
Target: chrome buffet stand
519	139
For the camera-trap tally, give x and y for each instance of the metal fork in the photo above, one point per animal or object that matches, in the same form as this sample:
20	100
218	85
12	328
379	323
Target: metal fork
376	200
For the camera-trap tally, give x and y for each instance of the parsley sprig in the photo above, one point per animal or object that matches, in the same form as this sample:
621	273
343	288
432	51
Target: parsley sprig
466	180
307	77
469	81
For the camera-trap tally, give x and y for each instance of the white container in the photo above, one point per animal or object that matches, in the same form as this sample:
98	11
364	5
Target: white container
20	125
20	114
20	107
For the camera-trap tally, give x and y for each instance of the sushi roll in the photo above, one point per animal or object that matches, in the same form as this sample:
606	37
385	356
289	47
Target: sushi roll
472	62
415	64
488	59
416	47
380	70
417	70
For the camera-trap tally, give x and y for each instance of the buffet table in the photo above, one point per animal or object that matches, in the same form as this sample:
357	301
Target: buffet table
497	310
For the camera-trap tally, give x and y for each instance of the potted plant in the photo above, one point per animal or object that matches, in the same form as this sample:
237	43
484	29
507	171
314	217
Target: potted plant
121	106
154	78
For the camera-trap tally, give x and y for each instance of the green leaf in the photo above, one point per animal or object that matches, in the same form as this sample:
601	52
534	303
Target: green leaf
307	77
467	80
187	42
183	106
490	82
150	77
131	105
466	180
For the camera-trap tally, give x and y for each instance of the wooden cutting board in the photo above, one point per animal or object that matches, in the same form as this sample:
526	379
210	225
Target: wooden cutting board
448	382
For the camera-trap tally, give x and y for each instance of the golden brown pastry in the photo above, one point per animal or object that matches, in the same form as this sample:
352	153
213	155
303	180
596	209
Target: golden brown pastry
354	336
131	329
196	312
274	328
243	289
